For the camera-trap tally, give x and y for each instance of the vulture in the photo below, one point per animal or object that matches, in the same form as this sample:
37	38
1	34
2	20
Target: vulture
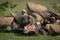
6	21
41	10
53	28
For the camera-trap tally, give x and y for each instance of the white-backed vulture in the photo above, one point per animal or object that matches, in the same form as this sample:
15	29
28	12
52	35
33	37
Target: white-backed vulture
41	10
6	21
54	28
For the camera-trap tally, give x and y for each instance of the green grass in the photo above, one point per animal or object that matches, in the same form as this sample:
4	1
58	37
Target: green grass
20	6
13	36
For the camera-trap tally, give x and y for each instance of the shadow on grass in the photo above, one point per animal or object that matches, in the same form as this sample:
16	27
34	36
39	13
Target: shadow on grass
18	33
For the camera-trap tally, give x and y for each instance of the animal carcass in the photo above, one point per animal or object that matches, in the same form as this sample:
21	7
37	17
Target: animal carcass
30	28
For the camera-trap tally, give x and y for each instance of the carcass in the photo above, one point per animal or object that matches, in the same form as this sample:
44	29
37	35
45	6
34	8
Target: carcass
30	28
21	26
6	21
